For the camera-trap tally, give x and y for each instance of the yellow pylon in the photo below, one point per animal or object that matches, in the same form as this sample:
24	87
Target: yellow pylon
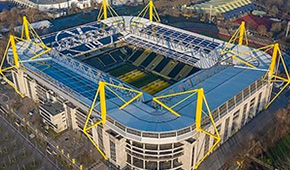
239	35
28	35
152	12
201	101
107	9
103	86
272	74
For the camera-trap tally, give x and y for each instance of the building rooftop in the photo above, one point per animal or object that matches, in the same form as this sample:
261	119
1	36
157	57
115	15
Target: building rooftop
53	108
48	1
226	83
222	81
80	81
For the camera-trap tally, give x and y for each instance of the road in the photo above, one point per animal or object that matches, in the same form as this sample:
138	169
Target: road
28	144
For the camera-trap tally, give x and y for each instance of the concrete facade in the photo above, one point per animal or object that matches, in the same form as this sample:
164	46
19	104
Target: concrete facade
134	151
47	5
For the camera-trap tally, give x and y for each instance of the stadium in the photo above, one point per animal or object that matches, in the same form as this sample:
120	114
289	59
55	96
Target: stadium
147	95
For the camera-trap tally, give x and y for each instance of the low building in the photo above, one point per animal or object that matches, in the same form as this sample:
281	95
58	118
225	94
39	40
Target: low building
46	5
53	115
225	8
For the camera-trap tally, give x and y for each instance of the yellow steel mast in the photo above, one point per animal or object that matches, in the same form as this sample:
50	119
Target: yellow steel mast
25	29
103	86
107	9
239	35
272	73
152	12
273	76
28	35
200	110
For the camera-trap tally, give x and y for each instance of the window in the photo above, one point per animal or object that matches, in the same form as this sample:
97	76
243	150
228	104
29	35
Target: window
236	115
120	126
150	135
137	144
231	103
134	132
226	129
192	156
252	108
246	92
239	97
259	83
244	114
113	150
235	121
253	87
259	103
129	158
183	131
215	115
223	109
166	135
151	147
206	144
165	146
100	137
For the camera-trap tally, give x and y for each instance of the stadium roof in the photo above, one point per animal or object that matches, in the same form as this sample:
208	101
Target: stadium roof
80	81
226	82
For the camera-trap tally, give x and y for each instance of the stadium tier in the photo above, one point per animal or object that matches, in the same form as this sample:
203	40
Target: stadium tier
177	73
226	8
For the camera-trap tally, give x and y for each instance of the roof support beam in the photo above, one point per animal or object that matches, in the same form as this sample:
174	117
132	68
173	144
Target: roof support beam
101	93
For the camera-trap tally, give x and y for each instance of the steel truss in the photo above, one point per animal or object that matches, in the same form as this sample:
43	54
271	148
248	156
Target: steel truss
87	71
103	13
239	35
200	103
103	86
189	49
29	36
200	111
272	74
152	12
89	38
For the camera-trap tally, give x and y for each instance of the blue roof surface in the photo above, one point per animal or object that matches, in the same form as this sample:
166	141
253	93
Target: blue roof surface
218	88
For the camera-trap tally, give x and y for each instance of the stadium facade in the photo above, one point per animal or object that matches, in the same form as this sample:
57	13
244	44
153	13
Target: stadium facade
143	129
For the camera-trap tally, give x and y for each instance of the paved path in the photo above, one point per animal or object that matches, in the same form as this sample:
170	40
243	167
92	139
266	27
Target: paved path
46	161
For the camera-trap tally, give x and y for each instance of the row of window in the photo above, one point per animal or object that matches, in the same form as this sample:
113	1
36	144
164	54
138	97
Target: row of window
236	124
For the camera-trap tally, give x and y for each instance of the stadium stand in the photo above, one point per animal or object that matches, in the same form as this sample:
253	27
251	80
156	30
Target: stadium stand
135	55
106	60
237	12
148	60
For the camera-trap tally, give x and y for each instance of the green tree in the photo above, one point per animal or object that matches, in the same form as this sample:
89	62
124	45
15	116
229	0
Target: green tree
262	30
276	27
274	11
